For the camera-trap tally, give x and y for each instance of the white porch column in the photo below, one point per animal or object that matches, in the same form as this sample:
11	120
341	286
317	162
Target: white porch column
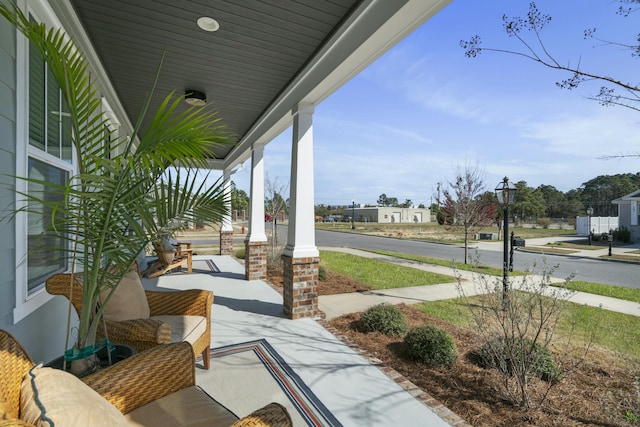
256	241
301	256
226	227
301	240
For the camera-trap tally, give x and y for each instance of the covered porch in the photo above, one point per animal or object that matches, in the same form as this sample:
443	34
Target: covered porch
352	390
264	66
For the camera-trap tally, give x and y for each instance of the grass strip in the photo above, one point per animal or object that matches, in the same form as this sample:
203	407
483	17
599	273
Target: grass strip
579	324
481	269
380	274
619	292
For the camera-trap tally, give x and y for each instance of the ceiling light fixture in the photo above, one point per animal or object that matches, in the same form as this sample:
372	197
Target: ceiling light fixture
195	97
208	24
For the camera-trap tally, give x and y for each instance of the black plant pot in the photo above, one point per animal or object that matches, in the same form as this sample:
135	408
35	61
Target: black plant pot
118	352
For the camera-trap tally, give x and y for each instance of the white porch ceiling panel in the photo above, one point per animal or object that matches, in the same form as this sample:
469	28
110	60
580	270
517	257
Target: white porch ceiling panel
267	56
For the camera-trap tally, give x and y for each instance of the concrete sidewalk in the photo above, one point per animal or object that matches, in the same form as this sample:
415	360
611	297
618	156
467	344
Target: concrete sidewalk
354	390
341	304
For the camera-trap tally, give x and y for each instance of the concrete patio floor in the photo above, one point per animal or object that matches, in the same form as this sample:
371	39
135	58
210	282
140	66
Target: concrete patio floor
354	390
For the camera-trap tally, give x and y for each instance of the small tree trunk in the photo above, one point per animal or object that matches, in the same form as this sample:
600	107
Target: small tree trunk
466	243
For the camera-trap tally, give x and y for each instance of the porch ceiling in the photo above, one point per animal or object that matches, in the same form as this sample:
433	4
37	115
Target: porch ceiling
267	55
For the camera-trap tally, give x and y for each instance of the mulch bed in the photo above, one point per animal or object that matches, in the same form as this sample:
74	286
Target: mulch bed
595	393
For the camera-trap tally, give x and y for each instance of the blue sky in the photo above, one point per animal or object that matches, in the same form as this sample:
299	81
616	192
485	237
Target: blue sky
423	110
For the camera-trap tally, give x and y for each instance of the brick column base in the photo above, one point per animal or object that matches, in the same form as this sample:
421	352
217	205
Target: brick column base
255	260
226	243
300	293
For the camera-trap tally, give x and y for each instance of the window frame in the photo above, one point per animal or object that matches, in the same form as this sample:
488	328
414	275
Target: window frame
27	302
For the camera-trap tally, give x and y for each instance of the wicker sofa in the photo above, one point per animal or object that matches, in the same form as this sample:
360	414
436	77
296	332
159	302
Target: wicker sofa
164	325
153	388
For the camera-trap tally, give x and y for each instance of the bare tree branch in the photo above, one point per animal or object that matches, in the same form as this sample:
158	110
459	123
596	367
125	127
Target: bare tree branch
538	52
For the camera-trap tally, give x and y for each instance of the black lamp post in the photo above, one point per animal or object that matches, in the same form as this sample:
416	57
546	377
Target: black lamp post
506	195
353	214
589	213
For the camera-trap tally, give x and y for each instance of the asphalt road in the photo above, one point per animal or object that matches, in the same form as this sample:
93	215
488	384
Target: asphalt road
587	269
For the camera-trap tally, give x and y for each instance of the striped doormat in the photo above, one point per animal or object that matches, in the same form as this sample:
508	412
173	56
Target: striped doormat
247	376
204	266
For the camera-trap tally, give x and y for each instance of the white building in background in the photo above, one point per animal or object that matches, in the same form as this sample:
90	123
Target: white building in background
389	215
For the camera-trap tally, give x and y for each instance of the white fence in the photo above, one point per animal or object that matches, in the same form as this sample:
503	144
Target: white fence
599	224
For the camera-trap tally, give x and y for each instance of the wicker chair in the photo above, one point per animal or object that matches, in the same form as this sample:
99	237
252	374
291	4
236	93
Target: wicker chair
128	385
143	334
180	256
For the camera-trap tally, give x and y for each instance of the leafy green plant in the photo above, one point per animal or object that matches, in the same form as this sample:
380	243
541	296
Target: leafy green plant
384	318
515	326
322	273
622	235
431	345
505	355
125	193
630	417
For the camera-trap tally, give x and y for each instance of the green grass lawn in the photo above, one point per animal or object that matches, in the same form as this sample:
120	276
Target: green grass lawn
483	269
581	324
616	332
379	274
620	292
582	247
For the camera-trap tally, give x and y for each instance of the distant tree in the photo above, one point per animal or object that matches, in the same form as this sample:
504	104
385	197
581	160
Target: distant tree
274	202
421	206
600	191
529	204
239	198
466	204
573	204
407	204
554	201
393	201
322	210
383	200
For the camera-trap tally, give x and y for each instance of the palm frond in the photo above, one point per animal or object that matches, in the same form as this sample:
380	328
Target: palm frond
123	194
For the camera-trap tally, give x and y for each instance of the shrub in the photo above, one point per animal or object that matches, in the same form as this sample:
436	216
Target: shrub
431	345
384	318
544	222
622	235
504	355
322	273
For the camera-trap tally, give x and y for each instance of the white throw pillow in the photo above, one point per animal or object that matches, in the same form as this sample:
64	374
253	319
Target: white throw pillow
52	397
128	301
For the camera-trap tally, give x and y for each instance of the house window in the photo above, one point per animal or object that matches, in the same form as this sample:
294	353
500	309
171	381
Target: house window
49	126
44	256
44	152
49	160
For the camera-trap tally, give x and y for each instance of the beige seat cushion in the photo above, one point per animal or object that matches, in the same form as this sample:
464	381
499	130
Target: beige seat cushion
129	301
190	407
52	397
184	328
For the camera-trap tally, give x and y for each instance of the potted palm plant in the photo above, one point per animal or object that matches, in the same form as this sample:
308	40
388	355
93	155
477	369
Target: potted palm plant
125	192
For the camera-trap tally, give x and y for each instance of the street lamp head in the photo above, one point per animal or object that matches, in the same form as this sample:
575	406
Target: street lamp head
589	211
506	192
